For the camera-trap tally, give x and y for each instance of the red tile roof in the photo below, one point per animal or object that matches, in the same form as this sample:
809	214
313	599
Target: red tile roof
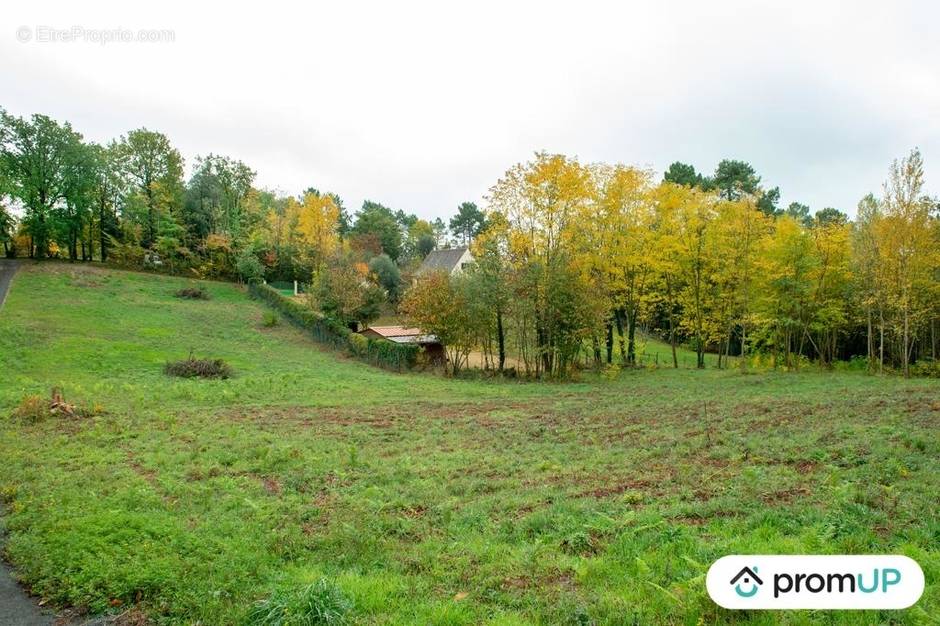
402	334
395	331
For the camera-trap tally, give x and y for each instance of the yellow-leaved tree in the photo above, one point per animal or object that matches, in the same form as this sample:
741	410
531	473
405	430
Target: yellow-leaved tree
907	253
544	204
318	226
625	246
740	230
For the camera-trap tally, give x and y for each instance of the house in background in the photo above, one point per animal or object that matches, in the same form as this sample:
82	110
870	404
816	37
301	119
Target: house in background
449	260
433	348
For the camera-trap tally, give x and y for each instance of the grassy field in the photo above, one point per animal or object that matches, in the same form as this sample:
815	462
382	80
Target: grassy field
413	499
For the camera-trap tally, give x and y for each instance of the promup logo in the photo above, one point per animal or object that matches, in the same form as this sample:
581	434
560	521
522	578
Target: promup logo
815	582
750	576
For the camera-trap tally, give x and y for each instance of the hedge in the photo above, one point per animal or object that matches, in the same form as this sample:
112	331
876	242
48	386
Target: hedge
326	330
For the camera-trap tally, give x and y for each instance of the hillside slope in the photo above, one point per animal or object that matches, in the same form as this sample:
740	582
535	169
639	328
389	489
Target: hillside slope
418	499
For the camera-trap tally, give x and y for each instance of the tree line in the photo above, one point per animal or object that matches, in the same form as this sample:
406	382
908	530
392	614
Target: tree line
575	258
571	259
128	203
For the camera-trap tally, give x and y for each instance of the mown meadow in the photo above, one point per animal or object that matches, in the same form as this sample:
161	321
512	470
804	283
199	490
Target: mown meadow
414	499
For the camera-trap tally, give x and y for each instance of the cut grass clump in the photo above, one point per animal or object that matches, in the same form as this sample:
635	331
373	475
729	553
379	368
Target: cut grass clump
31	410
198	368
321	603
34	408
192	293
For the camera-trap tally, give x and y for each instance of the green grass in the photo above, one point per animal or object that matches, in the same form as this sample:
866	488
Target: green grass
311	484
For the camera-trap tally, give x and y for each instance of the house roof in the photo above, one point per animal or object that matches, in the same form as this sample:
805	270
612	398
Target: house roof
402	334
442	260
395	331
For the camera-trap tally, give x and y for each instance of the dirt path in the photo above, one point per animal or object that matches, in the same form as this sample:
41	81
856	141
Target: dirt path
7	270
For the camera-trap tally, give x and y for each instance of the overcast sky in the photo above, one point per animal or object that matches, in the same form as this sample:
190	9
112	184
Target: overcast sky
421	106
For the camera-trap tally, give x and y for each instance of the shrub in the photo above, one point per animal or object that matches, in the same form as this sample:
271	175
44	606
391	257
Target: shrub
358	345
269	320
193	293
248	267
928	369
198	368
320	603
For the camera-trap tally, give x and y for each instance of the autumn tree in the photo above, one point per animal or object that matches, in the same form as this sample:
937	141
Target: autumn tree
831	282
438	305
865	269
490	285
318	227
669	207
739	231
345	291
907	251
624	248
695	213
787	264
544	202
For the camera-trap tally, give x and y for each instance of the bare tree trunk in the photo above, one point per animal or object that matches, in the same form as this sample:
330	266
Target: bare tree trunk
933	339
906	352
672	339
631	336
881	340
610	342
501	339
743	345
618	317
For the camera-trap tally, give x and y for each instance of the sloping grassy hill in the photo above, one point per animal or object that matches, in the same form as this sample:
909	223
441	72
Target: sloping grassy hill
420	500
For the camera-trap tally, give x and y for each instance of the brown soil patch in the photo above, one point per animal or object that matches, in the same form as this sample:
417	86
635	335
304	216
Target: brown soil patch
785	496
271	485
617	489
700	519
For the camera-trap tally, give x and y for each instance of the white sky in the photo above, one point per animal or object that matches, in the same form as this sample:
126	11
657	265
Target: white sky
423	105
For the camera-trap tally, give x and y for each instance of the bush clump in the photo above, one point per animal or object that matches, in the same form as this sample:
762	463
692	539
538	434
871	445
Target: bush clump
321	603
198	368
927	369
192	293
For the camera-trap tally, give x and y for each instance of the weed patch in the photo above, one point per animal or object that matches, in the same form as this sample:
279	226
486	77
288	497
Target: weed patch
319	604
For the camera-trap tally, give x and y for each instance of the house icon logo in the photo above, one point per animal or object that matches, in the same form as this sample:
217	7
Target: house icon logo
750	577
